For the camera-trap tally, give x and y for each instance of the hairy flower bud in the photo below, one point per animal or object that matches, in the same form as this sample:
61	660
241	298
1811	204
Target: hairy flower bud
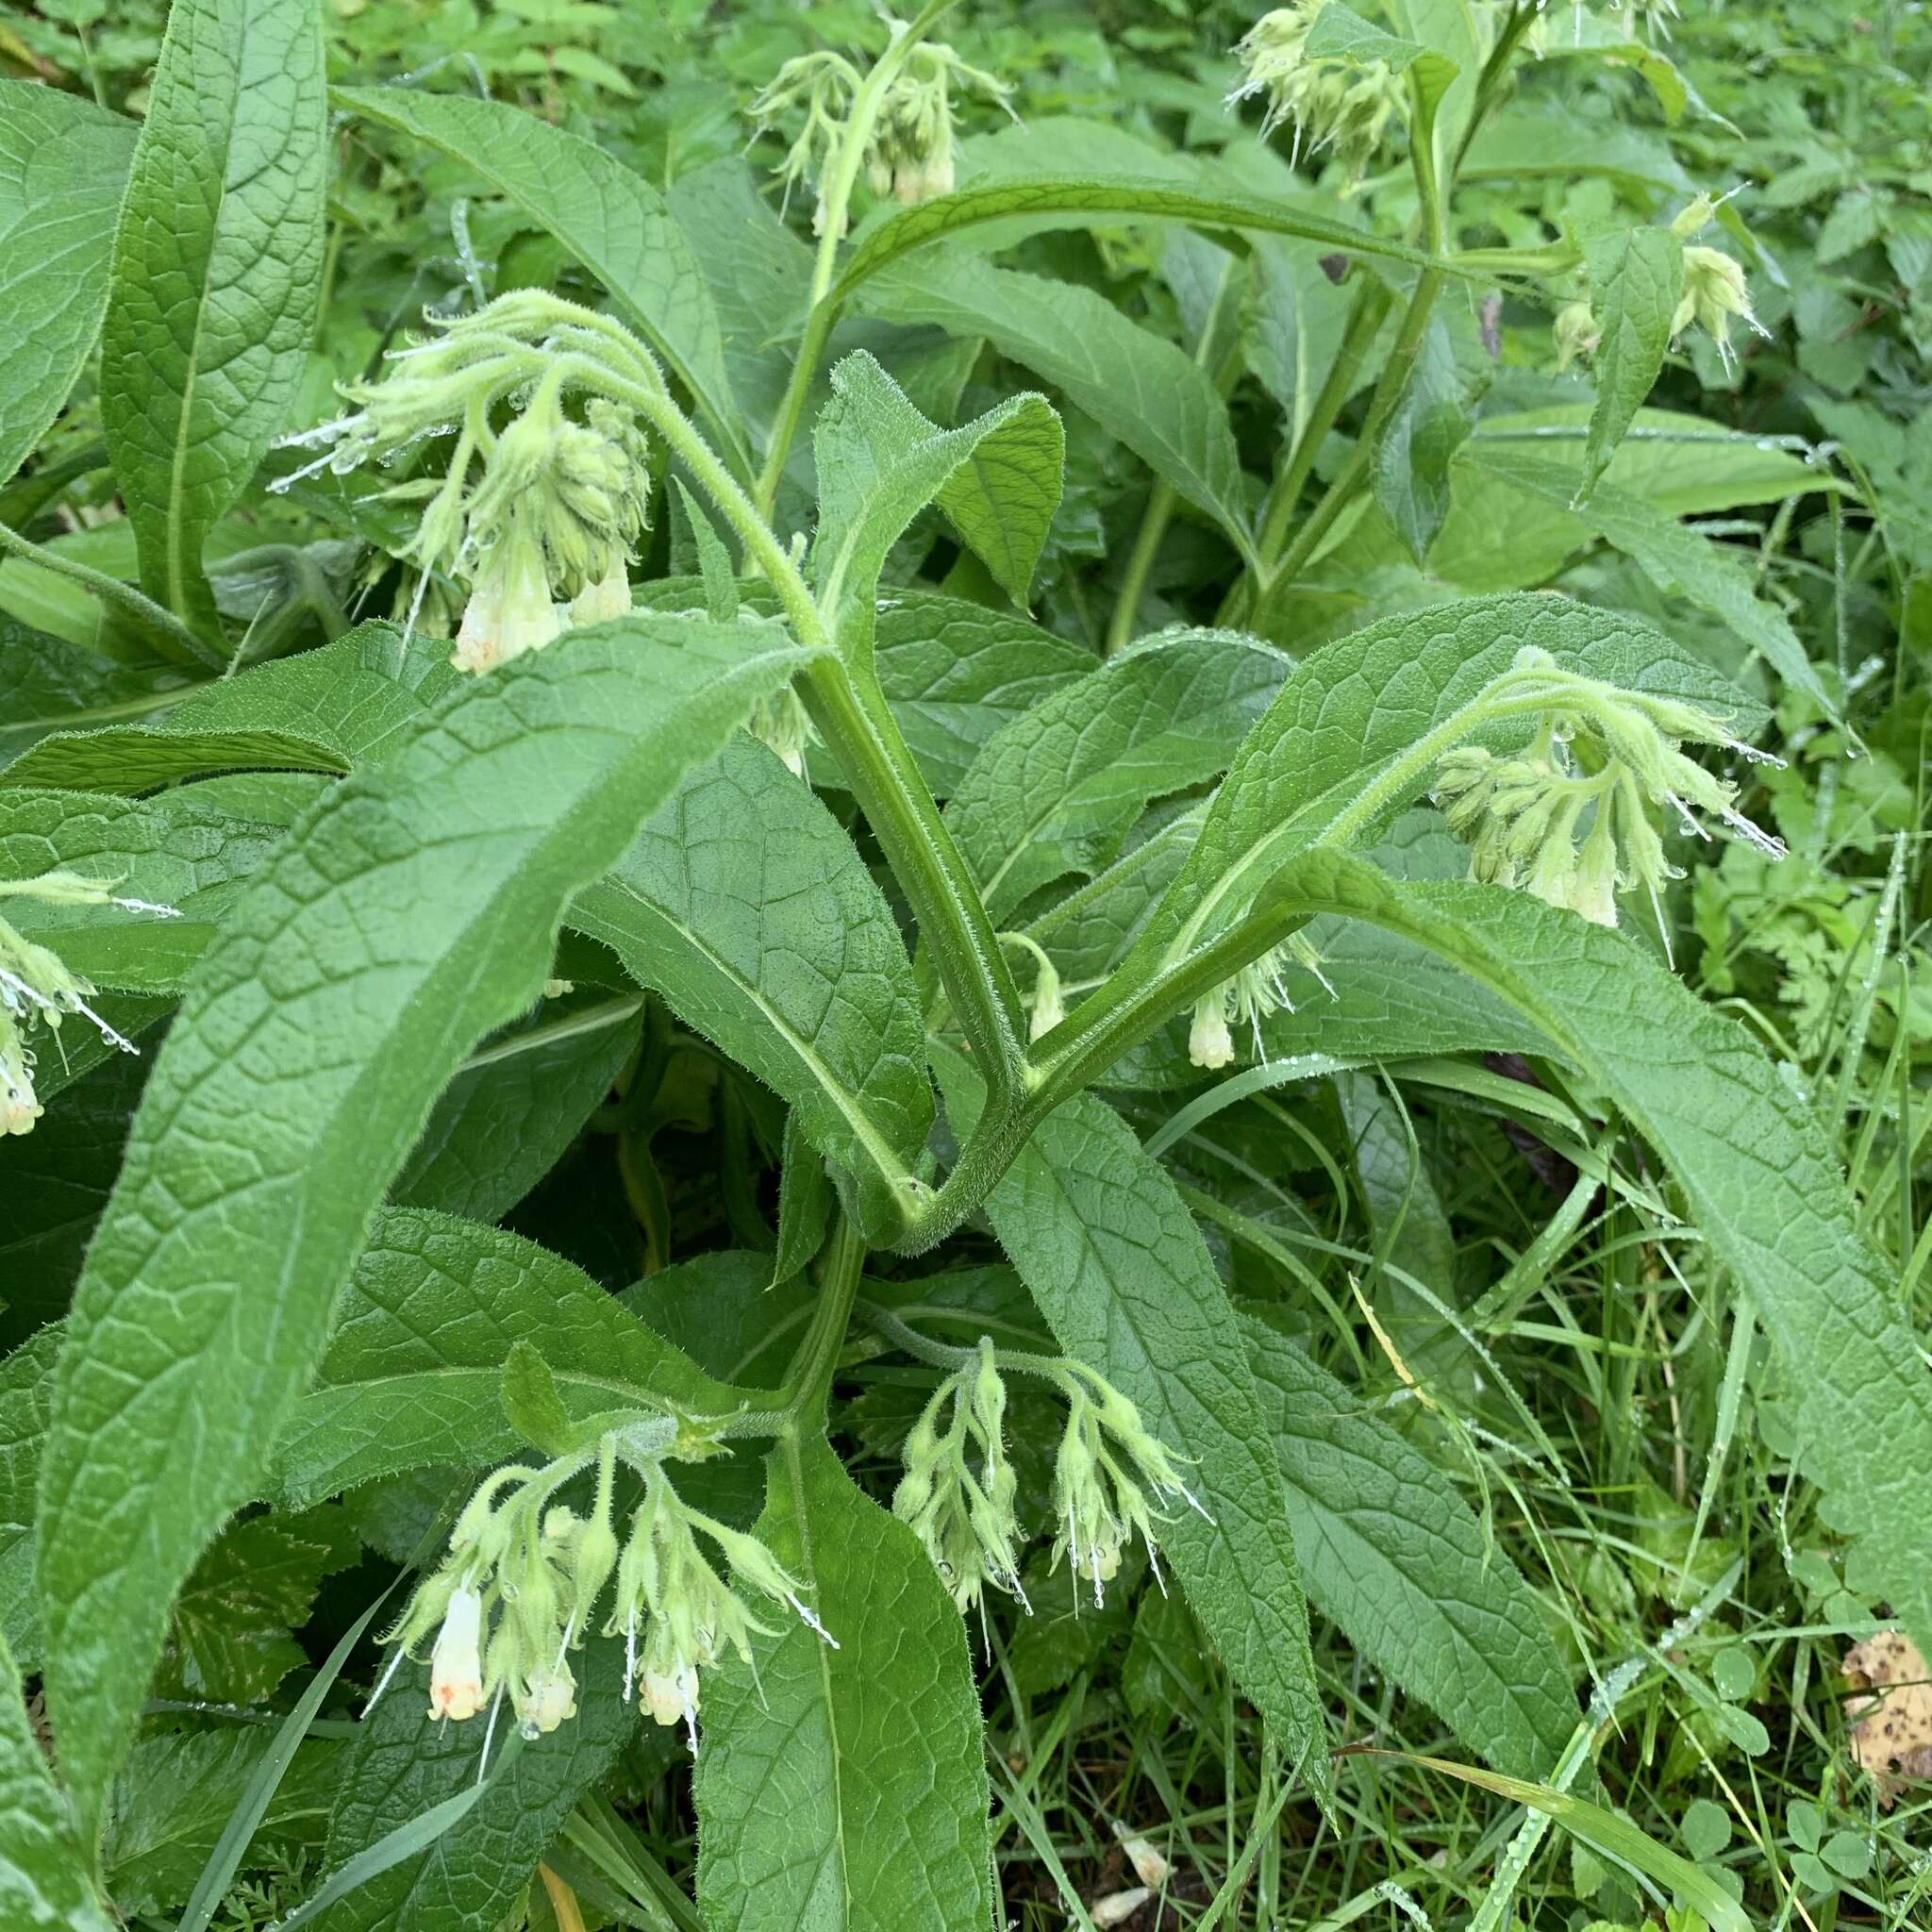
1576	331
1334	101
19	1108
1714	290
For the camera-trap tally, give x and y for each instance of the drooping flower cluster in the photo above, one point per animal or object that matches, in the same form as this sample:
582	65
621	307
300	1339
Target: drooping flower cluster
1714	286
38	991
1246	1000
539	517
1601	757
521	1583
1335	102
1110	1477
909	149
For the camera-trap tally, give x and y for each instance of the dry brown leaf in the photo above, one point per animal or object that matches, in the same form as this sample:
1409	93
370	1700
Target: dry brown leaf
1891	1715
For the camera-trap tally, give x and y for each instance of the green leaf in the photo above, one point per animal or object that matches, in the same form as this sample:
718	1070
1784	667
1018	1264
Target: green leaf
64	162
532	1404
1339	34
952	671
177	1793
414	907
26	1403
1139	387
1762	1185
804	1205
404	1762
513	1111
1409	464
1333	759
44	1875
1675	559
412	1376
217	274
881	462
326	710
48	684
1079	197
1635	280
171	851
744	902
1392	1554
1292	319
851	1795
1055	790
1117	1266
605	214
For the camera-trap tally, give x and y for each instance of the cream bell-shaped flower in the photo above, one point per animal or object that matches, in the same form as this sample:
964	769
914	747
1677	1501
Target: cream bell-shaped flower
456	1665
509	611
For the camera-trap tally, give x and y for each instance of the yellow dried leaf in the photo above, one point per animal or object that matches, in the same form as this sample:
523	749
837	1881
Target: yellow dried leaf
1891	1712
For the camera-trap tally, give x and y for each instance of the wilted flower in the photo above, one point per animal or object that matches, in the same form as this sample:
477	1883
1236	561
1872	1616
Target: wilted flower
1714	290
1334	101
1247	999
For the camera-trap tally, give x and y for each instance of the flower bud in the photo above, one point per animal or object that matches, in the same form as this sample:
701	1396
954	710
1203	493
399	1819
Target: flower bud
19	1108
547	1697
1577	332
1210	1042
1714	290
1047	1010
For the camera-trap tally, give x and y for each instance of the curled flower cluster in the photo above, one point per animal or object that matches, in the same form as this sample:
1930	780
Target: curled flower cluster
1246	1000
958	1494
1335	102
521	1583
38	991
909	147
1601	757
549	507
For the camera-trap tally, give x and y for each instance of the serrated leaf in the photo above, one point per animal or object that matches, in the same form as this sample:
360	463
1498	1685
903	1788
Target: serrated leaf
216	276
605	214
414	908
746	904
404	1762
515	1106
881	462
1139	387
1057	790
412	1375
1392	1554
326	710
44	1874
851	1797
1762	1185
1114	1261
63	164
1635	280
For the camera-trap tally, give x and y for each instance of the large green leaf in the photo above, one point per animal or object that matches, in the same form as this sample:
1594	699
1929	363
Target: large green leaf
881	462
405	1762
412	1376
1110	1254
1392	1554
1635	279
1677	560
605	214
414	908
217	274
845	1788
64	162
44	1874
172	851
1327	762
1409	463
513	1111
1760	1180
1081	198
746	904
1057	790
48	684
326	710
1137	386
27	1401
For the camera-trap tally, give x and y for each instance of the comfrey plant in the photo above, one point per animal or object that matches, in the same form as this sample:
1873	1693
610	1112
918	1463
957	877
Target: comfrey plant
575	1122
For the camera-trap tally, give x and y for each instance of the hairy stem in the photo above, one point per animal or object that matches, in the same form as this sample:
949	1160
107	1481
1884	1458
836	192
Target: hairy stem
808	1378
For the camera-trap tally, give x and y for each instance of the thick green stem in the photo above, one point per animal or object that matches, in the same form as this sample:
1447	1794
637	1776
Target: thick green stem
808	1379
158	626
